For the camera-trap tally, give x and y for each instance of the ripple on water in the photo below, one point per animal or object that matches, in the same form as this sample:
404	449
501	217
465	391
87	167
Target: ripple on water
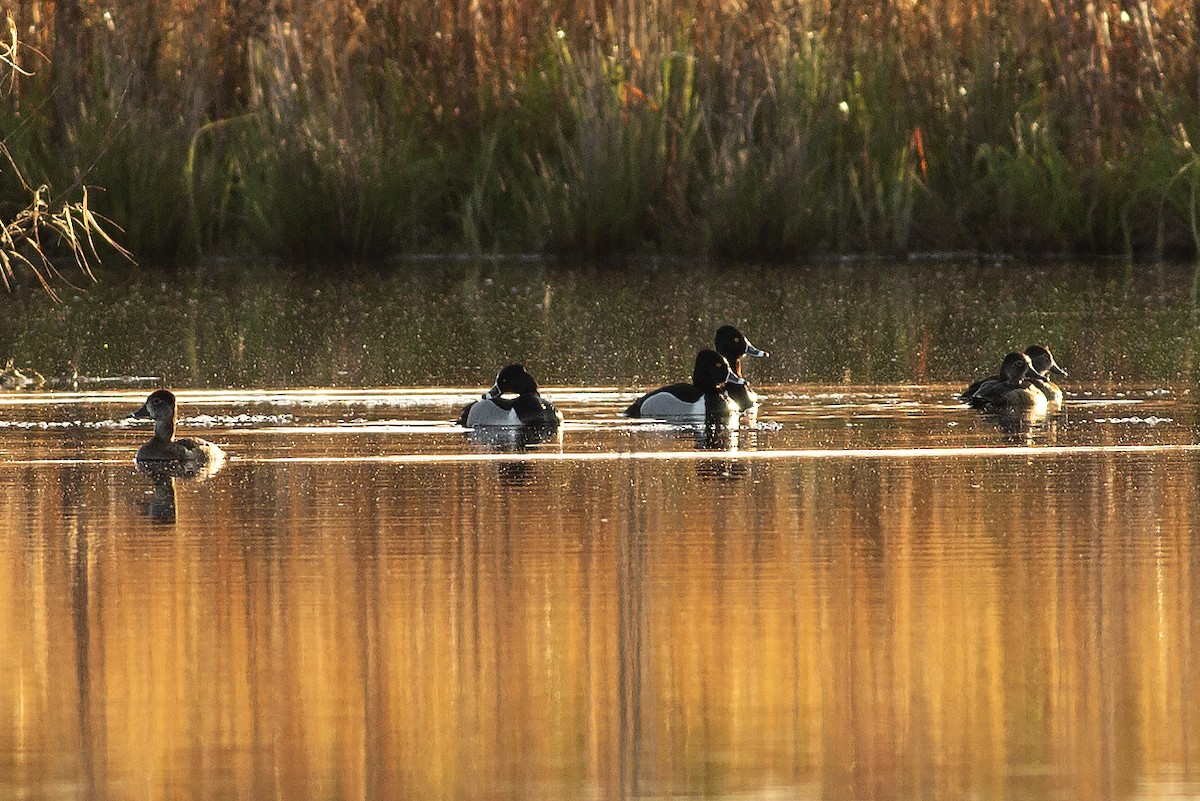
794	422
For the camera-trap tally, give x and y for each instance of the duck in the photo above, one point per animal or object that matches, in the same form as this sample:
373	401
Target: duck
12	378
1045	366
733	345
704	398
527	409
163	447
1017	387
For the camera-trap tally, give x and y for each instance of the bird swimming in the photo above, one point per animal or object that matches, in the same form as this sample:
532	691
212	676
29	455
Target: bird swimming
163	447
733	345
499	407
703	398
1017	387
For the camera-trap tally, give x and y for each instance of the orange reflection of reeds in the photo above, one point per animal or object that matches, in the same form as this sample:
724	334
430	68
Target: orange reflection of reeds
870	628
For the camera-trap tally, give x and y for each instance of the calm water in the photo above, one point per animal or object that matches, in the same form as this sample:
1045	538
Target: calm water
872	592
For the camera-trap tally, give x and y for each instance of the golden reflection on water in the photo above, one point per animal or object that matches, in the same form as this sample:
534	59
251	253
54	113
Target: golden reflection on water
1000	626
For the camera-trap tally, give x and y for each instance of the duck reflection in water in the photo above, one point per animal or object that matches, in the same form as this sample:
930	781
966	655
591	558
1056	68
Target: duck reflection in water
514	439
160	506
719	437
1025	426
722	469
517	473
715	435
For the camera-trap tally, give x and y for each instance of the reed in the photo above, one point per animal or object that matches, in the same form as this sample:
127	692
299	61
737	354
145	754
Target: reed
765	129
40	230
613	174
324	171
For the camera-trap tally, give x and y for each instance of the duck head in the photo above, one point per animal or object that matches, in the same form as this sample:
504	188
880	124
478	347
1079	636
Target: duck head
1043	361
159	406
711	371
513	379
733	345
1015	367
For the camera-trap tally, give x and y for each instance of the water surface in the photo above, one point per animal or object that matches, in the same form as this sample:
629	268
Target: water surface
871	592
431	324
868	592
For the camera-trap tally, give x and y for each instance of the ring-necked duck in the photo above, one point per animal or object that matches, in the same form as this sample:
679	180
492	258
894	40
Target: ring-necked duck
163	447
733	345
528	408
704	398
1017	387
1045	366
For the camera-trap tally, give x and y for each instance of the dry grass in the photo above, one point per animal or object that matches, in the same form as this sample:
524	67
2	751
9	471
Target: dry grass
748	128
31	238
34	235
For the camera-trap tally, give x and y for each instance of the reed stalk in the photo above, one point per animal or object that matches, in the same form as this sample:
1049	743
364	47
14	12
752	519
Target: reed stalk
37	228
773	129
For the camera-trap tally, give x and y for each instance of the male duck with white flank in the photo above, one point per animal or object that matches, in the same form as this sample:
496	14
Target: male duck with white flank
524	405
1017	388
733	345
163	447
704	398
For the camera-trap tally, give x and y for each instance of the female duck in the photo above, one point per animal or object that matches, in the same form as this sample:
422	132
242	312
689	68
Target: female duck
1017	388
163	447
1045	366
704	398
733	345
527	409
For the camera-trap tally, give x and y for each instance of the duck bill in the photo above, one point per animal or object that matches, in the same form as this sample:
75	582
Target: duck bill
753	351
734	378
142	412
492	393
1056	370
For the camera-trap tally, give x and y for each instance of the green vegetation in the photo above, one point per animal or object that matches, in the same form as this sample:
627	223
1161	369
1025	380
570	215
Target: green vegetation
326	130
